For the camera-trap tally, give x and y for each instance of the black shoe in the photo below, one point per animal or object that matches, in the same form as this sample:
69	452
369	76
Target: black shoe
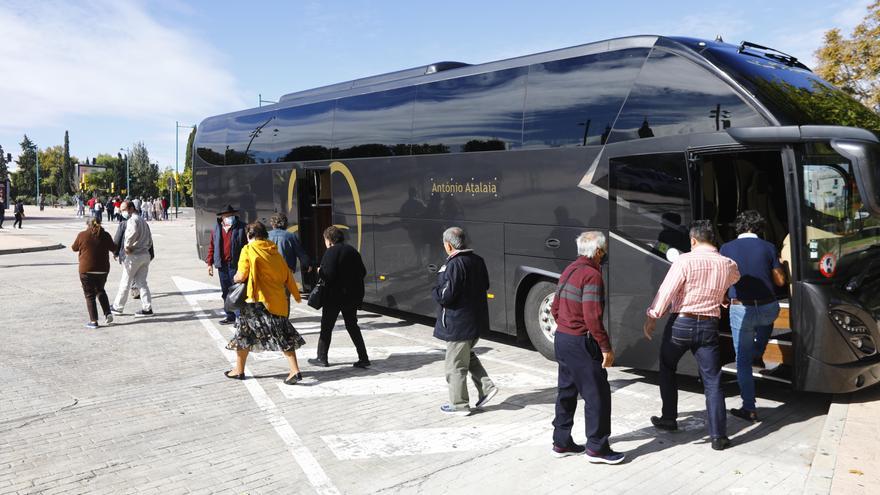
143	313
319	362
226	321
362	364
720	443
745	414
294	379
664	424
234	377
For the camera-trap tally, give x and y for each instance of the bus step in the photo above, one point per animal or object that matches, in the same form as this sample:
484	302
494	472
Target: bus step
776	372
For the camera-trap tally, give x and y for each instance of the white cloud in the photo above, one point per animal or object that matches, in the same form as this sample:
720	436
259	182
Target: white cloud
104	58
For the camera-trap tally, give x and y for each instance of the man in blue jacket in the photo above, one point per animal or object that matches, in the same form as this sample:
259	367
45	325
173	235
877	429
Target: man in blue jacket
463	313
227	241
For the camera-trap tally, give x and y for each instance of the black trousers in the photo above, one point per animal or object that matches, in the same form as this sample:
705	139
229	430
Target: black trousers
17	221
581	373
93	287
2	216
329	314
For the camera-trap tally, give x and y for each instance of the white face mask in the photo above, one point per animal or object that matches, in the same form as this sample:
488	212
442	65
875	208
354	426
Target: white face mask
125	214
228	221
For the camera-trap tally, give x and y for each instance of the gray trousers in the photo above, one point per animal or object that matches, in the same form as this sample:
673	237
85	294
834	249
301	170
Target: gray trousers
461	360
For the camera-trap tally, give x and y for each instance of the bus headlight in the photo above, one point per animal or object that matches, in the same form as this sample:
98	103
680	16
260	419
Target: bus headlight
856	329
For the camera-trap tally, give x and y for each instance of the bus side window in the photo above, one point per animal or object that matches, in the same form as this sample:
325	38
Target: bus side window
652	200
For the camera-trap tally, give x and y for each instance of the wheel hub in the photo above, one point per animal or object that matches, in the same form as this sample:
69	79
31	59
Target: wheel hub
545	319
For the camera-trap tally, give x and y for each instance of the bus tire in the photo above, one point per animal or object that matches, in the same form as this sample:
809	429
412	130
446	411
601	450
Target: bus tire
539	323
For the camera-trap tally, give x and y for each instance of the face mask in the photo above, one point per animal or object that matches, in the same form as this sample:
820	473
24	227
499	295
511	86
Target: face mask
228	221
124	214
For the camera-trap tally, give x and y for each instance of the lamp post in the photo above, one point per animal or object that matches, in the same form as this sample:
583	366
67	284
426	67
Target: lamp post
177	127
127	177
37	168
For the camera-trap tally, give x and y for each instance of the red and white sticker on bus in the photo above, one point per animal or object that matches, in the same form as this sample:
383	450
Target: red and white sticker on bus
827	265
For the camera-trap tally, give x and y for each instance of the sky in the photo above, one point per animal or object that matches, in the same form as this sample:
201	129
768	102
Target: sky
115	72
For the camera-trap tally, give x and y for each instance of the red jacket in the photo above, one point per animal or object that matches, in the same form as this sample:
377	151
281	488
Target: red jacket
579	304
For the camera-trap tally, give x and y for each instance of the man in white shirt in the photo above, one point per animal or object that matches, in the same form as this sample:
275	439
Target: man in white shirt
137	243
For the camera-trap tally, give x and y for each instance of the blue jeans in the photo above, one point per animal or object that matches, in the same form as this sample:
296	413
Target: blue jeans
751	327
684	334
226	274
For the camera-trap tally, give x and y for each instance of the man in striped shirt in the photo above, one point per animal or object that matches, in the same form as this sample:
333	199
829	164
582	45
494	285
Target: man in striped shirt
693	291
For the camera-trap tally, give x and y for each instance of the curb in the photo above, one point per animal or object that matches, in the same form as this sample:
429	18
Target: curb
31	249
825	459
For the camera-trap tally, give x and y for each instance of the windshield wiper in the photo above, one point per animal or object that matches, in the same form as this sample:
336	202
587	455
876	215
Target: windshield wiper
746	47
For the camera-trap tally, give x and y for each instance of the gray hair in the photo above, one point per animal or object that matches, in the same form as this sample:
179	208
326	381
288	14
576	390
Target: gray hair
456	237
590	242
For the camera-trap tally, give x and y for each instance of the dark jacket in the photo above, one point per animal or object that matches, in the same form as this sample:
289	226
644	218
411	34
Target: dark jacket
461	293
343	272
290	248
94	252
239	239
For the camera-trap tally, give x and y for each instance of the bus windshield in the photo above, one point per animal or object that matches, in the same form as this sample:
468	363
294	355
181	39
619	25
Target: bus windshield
842	234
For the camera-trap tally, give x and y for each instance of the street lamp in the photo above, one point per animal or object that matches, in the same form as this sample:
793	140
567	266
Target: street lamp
127	176
37	156
177	127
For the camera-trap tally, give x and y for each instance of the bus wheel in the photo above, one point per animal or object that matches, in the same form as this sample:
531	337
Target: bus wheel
540	324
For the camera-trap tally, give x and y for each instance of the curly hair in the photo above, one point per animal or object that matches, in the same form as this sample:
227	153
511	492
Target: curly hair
749	221
94	227
278	221
334	235
256	230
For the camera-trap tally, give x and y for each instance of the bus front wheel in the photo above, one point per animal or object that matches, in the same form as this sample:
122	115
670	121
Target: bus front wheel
539	323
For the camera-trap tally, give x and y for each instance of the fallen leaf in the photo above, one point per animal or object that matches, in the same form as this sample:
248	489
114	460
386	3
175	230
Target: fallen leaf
856	471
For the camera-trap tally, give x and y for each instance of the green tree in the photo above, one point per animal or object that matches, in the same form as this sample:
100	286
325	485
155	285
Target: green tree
24	179
51	170
67	179
853	64
143	173
115	170
188	162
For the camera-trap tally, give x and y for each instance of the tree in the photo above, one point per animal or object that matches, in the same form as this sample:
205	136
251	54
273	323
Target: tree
24	180
66	184
188	162
853	64
115	169
51	170
143	173
4	170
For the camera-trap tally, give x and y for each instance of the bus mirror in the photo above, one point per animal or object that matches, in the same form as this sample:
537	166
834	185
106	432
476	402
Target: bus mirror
672	254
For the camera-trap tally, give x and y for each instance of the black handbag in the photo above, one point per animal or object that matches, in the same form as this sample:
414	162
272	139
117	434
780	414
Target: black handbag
235	298
315	296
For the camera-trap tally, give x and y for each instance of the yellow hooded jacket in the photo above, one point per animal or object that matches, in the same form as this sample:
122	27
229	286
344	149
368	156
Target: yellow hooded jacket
268	275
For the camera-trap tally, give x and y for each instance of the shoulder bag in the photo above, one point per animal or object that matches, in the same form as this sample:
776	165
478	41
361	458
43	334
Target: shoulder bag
235	298
315	296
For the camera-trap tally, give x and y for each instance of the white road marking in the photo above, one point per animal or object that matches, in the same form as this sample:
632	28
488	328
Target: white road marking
423	441
301	454
399	384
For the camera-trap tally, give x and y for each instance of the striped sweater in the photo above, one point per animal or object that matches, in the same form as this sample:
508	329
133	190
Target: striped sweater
580	302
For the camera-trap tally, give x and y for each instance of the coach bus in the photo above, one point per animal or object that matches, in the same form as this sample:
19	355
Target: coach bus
634	136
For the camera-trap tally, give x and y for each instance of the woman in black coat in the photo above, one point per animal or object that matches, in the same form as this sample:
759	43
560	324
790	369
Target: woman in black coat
343	272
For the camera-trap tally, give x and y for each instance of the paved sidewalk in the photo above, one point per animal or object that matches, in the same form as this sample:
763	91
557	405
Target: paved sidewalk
141	406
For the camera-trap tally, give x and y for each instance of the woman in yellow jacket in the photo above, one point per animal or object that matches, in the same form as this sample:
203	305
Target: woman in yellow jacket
263	325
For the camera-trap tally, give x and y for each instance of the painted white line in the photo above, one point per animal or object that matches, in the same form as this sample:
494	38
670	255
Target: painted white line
303	457
400	384
336	354
424	441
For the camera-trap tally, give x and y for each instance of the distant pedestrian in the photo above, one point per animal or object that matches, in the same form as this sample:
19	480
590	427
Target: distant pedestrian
462	315
146	210
137	204
18	212
227	241
164	208
753	304
111	208
80	210
264	323
99	210
91	205
583	352
157	209
693	291
137	242
342	271
94	246
2	209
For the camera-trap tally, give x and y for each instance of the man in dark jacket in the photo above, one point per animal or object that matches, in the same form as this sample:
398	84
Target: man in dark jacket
343	272
463	314
227	240
583	351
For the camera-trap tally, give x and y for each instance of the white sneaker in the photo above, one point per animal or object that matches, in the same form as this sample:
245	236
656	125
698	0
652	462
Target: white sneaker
108	318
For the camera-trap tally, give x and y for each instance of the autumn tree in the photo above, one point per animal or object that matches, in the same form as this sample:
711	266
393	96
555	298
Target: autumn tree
853	64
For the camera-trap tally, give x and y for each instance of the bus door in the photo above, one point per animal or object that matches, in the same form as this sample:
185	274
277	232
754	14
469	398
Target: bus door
314	202
726	183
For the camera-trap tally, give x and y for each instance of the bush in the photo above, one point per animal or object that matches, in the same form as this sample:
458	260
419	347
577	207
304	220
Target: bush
24	199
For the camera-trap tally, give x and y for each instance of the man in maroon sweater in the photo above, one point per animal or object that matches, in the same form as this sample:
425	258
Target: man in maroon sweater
583	351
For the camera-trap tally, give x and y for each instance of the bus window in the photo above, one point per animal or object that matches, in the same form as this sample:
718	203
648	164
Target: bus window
652	200
303	133
675	96
573	102
374	124
211	141
482	112
248	138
